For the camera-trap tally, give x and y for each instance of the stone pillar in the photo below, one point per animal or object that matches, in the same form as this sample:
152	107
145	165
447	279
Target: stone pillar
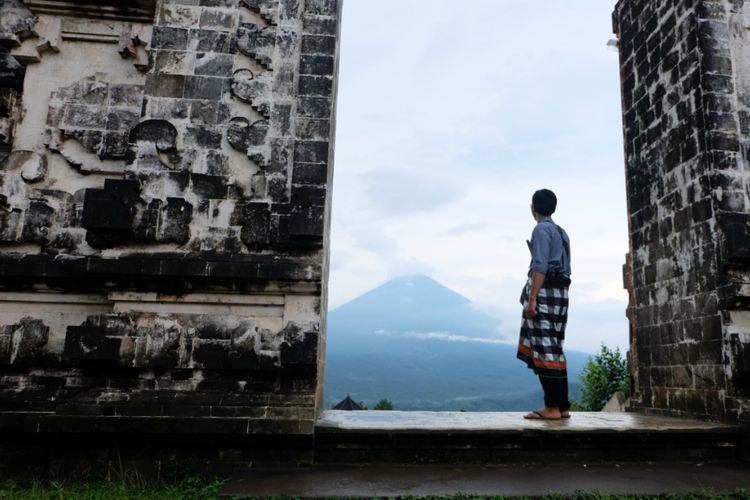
686	129
164	211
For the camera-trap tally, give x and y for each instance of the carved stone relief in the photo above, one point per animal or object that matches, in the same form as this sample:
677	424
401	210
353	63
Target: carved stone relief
98	116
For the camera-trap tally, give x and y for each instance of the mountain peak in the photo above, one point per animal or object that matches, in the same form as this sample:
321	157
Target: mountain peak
404	310
413	291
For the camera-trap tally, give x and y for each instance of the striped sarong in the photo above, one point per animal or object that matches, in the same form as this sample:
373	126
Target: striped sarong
541	341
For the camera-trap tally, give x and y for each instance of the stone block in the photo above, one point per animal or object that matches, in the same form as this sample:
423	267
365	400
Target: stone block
211	41
311	151
321	65
211	64
205	87
218	19
167	109
281	114
111	208
157	346
174	222
38	219
313	130
218	3
319	25
217	163
85	343
321	86
202	136
169	38
735	242
24	343
172	62
122	120
306	195
114	146
314	107
740	350
306	225
164	85
223	355
322	7
242	134
720	84
82	116
317	44
208	186
89	139
257	42
278	189
256	224
11	224
180	16
299	348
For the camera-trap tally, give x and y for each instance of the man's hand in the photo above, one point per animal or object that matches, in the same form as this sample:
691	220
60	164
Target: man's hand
537	280
531	308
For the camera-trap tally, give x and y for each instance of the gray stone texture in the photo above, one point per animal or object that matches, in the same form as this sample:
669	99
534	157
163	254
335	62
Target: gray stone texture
684	102
159	210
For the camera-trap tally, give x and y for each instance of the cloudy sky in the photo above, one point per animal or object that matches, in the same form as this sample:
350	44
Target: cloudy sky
450	115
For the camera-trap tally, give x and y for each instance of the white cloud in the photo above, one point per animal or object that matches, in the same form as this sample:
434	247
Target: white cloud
449	337
449	118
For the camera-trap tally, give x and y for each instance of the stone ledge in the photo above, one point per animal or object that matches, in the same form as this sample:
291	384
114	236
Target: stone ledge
158	272
536	481
47	422
426	422
91	455
505	437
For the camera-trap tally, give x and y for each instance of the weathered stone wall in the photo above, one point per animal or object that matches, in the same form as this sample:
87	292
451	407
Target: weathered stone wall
164	196
686	129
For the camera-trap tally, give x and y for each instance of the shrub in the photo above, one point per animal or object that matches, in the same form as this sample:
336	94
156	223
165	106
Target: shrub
383	404
603	375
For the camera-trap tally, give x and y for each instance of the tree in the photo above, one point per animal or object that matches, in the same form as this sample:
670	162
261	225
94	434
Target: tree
383	404
603	375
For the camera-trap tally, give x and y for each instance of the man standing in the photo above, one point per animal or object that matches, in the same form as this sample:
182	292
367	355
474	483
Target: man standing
545	304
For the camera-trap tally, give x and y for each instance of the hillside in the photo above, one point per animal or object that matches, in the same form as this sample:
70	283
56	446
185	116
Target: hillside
426	347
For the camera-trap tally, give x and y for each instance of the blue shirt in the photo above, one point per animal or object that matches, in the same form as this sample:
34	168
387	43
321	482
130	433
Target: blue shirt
547	249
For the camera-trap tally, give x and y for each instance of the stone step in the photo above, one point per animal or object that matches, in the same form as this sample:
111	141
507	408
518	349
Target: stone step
513	480
505	437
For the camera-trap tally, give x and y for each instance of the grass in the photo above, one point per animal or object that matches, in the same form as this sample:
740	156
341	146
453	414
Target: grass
188	489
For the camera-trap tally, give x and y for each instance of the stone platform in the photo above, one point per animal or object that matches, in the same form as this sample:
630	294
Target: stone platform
505	437
394	453
391	481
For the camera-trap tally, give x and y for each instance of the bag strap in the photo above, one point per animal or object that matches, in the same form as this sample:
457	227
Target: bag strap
566	246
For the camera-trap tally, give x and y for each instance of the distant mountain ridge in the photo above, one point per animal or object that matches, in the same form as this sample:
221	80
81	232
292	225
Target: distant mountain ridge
410	304
424	346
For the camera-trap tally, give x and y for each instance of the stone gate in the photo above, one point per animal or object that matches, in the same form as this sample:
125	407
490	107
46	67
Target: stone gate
685	67
165	179
164	197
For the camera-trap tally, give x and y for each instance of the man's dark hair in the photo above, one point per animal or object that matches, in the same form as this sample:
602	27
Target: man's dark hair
544	202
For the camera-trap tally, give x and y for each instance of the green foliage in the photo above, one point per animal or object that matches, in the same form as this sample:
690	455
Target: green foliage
603	375
383	404
188	489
